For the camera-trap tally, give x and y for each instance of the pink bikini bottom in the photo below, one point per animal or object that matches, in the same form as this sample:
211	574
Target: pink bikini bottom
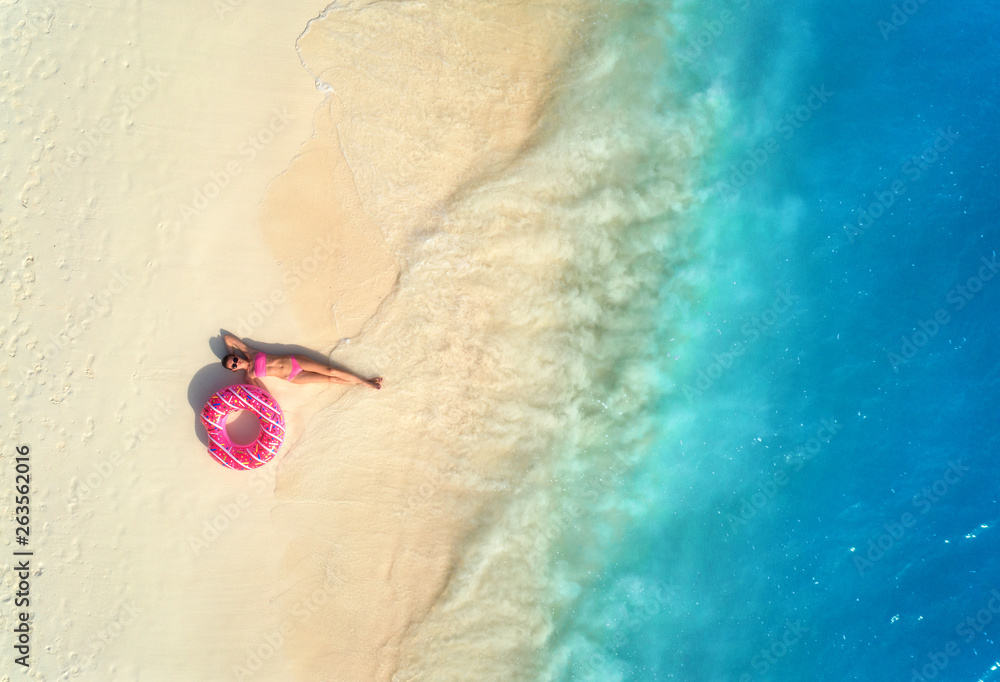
295	369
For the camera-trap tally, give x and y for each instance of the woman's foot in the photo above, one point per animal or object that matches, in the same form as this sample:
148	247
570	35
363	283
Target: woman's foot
375	383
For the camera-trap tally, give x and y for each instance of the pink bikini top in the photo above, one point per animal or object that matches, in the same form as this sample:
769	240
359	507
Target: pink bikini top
260	365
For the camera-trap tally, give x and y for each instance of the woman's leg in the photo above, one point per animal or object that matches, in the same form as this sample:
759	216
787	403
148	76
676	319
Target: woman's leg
306	377
340	376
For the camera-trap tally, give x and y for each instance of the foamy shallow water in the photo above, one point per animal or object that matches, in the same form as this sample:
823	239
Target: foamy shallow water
534	231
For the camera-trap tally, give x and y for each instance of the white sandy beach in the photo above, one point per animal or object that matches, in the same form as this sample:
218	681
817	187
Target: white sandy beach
137	148
172	170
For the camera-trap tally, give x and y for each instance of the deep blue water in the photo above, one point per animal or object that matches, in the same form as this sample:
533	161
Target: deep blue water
860	557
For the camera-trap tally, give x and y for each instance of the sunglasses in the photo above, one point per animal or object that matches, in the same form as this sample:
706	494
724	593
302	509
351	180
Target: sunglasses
233	366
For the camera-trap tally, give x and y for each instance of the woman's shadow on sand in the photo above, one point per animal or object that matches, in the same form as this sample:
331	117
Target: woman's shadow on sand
212	378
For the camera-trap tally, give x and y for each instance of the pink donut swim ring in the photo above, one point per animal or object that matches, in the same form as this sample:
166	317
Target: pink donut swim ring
272	426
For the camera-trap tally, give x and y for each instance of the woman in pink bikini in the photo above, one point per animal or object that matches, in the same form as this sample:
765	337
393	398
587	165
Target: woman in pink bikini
295	368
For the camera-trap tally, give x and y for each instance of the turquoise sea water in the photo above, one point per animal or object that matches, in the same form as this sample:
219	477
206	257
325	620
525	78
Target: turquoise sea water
811	492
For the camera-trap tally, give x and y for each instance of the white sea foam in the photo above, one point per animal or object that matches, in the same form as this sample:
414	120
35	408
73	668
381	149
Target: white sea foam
537	211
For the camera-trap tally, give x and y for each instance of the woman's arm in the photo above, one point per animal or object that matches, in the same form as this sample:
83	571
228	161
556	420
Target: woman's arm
234	343
254	380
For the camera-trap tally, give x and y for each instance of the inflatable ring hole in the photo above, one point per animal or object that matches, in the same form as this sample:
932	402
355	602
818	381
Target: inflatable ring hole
243	427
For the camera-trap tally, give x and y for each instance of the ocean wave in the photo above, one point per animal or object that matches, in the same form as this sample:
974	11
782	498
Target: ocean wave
536	196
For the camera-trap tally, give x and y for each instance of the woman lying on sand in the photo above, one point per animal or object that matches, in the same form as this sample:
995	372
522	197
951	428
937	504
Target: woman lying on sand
295	368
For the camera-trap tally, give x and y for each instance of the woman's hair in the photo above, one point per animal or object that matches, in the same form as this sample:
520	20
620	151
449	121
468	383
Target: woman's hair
226	362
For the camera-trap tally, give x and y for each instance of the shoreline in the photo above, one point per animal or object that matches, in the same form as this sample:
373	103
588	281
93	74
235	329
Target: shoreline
389	156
